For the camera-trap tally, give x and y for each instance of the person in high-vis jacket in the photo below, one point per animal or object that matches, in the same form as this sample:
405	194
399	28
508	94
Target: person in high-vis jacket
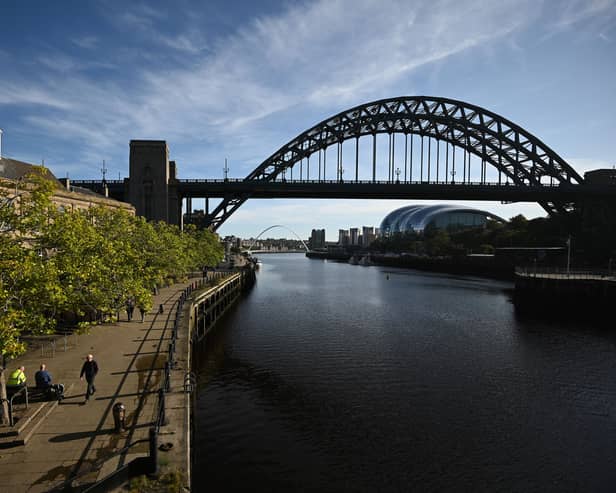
17	378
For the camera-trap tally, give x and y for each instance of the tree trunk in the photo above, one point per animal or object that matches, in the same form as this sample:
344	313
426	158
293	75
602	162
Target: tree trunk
5	402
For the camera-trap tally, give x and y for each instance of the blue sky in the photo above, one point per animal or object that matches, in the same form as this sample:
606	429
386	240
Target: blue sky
79	79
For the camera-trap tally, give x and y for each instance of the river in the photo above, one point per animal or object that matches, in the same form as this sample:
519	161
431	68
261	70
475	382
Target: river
333	377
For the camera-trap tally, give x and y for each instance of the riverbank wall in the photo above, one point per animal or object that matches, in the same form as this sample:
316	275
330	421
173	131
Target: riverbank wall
200	314
582	295
474	265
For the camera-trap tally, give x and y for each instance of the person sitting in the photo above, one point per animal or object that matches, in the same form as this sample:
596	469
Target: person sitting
43	382
17	379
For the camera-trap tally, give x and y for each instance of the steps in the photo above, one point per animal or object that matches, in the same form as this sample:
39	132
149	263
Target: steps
27	425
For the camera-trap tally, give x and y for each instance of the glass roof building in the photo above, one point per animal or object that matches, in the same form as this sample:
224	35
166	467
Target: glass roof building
442	216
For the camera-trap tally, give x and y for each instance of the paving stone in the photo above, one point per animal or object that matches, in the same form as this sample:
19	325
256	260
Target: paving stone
77	438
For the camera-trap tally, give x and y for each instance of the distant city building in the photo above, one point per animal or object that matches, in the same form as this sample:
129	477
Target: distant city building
354	236
368	236
317	239
343	237
419	217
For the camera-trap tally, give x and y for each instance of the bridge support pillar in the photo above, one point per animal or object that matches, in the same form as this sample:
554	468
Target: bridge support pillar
152	184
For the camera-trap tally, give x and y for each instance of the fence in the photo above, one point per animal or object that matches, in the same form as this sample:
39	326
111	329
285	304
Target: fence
564	273
209	278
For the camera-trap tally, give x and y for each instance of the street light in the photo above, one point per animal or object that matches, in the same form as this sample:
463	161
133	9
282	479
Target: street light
397	175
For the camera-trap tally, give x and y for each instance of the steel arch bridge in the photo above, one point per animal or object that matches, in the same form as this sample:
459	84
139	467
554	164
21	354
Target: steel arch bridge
437	148
517	155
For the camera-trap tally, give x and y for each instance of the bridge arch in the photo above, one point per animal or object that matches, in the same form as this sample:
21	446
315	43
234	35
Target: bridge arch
522	158
508	147
278	226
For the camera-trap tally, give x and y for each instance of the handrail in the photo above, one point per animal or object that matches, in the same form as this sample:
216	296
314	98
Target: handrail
10	401
160	417
170	363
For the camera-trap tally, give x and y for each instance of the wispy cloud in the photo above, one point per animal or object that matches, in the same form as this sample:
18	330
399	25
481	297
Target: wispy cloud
306	59
566	14
605	37
86	42
191	44
136	16
30	93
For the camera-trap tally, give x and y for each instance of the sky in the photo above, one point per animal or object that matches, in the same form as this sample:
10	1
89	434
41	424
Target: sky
238	80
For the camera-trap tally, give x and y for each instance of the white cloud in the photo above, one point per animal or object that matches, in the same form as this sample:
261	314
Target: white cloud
325	53
232	96
86	42
564	15
30	93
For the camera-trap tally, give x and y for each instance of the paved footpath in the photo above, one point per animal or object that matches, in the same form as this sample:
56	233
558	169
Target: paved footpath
76	443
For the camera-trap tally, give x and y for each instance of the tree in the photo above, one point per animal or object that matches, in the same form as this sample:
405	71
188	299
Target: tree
57	264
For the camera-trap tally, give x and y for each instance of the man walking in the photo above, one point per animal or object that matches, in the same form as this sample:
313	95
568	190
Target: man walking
89	370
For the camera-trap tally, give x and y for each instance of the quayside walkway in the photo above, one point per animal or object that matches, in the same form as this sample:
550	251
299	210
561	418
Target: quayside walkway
75	444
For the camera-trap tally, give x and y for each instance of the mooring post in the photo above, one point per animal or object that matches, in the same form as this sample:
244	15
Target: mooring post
153	451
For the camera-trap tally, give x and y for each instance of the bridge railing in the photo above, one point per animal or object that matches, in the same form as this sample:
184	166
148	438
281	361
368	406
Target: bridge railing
366	182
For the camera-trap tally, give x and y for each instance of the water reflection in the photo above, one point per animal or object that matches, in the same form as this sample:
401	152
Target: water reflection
330	377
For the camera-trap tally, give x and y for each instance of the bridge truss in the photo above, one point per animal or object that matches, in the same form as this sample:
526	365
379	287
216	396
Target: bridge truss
445	133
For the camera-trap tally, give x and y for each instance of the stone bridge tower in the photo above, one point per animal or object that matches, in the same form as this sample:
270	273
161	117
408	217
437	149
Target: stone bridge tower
152	183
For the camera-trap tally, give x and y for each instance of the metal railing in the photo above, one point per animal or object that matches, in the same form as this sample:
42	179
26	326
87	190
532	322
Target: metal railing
9	400
160	418
564	273
352	181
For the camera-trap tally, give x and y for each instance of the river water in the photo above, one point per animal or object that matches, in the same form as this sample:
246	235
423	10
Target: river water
333	377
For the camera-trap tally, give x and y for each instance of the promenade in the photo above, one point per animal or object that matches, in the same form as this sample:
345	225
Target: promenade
75	443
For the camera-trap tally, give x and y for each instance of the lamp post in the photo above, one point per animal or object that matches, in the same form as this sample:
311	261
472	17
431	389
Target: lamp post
226	170
397	175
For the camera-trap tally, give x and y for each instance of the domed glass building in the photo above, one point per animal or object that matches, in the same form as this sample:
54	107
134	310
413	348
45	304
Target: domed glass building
442	216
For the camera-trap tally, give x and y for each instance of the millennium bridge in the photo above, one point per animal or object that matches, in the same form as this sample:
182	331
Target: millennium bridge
399	148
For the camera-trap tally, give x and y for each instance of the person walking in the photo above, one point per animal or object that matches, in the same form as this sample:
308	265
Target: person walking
89	370
130	308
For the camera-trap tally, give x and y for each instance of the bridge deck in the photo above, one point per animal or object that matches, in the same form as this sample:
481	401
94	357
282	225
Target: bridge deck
375	190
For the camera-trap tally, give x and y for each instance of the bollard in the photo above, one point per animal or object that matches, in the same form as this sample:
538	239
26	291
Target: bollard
119	415
153	452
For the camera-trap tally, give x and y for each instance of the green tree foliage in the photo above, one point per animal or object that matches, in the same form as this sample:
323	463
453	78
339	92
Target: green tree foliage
73	265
